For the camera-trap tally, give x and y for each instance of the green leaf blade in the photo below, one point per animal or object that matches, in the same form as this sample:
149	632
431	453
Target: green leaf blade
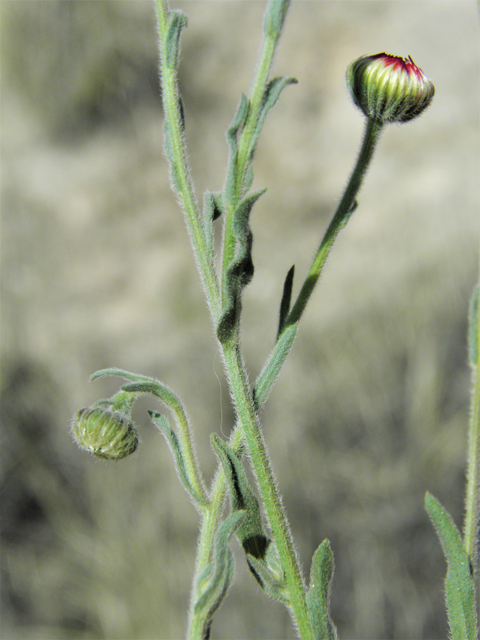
318	596
459	584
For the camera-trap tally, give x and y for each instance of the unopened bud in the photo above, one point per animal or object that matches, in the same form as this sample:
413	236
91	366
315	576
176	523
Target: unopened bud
389	88
107	434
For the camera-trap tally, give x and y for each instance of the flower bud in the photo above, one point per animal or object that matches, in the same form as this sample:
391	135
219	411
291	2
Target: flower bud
107	434
389	88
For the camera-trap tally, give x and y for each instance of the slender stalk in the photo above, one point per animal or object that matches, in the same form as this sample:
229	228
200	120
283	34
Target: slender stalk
268	489
372	132
171	105
472	494
282	348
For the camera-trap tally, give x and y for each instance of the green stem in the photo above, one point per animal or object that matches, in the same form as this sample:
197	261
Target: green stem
372	132
266	482
472	493
186	193
282	348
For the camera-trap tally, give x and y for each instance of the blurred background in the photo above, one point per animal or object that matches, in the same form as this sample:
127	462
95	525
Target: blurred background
371	408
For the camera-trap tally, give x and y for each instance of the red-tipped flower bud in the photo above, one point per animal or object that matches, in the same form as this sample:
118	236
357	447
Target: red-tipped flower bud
389	88
107	434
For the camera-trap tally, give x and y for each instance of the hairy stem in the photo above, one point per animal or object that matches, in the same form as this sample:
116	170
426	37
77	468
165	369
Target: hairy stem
471	531
266	482
347	204
173	116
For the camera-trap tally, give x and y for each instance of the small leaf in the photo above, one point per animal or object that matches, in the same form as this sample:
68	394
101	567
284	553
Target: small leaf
212	209
250	532
232	139
238	122
120	373
275	17
318	596
270	574
286	300
240	269
176	22
459	584
213	583
271	94
267	377
171	437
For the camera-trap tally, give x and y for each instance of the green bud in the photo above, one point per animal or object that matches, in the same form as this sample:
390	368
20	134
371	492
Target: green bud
389	88
107	434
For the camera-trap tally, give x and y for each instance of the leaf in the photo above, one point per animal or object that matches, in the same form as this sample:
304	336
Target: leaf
275	17
270	574
232	139
270	96
267	377
213	583
240	270
176	22
318	596
286	300
212	210
120	373
238	122
459	584
171	437
250	532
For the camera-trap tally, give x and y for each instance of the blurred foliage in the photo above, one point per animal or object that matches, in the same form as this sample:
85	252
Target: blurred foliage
81	68
372	407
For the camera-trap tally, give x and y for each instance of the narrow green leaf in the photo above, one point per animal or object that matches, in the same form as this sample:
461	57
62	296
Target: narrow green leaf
238	122
232	138
318	596
267	581
275	17
176	22
459	584
214	582
212	210
250	532
270	97
286	300
171	437
267	377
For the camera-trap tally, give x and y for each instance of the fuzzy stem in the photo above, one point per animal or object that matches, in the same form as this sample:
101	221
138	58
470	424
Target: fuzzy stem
471	531
267	486
282	348
372	132
204	257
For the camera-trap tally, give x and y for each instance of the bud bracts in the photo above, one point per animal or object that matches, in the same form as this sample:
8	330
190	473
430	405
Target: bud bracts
107	434
389	88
